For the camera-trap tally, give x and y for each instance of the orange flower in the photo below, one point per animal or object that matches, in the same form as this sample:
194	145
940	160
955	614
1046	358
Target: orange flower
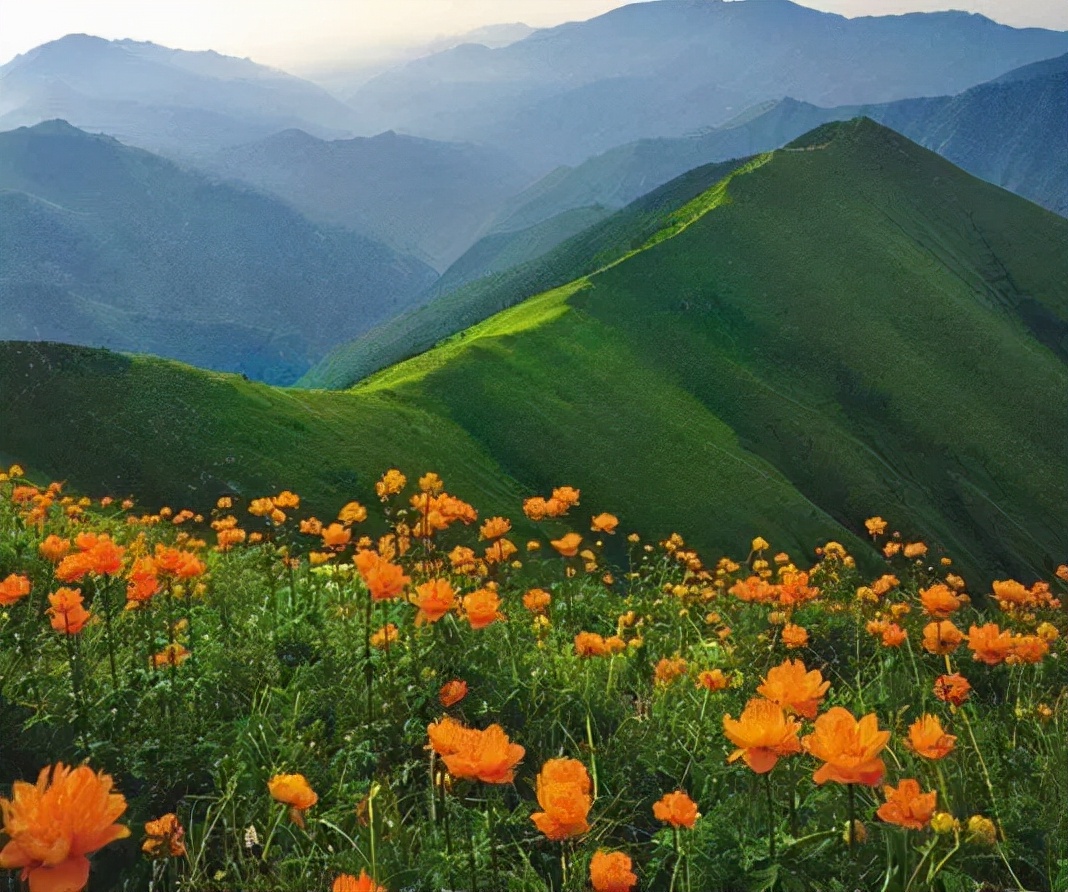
431	482
53	548
482	607
353	512
13	589
989	644
590	644
712	680
448	736
164	837
385	636
914	550
488	756
612	872
452	692
105	558
172	655
434	599
794	636
941	637
1028	649
568	544
536	508
53	825
68	614
668	669
293	790
604	523
884	583
336	536
927	738
876	526
563	791
567	496
892	635
907	806
952	689
392	482
939	601
763	734
73	567
384	580
794	688
494	528
537	600
500	551
676	809
348	883
848	748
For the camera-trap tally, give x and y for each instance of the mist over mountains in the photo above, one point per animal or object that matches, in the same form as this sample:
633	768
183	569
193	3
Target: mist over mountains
670	67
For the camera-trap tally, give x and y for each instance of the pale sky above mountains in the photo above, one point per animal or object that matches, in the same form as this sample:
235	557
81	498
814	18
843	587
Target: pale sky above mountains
284	34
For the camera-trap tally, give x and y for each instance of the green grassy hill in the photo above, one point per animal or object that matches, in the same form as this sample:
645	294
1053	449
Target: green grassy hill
454	309
846	327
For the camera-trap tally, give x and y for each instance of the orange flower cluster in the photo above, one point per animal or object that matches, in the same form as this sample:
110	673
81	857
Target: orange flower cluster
54	824
96	554
563	791
488	756
590	644
438	512
563	499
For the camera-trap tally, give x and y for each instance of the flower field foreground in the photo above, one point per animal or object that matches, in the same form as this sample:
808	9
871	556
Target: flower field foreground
263	700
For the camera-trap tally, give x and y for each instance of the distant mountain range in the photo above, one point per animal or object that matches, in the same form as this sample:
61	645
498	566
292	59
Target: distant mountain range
671	67
171	101
108	245
422	197
848	326
1011	131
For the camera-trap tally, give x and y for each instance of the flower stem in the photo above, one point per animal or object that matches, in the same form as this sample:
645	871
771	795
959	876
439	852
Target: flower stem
771	816
852	815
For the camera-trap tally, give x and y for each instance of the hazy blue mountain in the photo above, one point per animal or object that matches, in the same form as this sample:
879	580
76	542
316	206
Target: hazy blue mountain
107	245
172	101
343	77
422	197
670	67
1012	131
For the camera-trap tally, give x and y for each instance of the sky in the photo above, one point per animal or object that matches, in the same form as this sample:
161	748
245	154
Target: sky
296	34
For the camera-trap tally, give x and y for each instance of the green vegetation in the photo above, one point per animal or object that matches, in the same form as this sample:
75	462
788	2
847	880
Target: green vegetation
277	702
453	311
848	327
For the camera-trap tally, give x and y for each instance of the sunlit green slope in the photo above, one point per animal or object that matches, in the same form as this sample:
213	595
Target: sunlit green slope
846	327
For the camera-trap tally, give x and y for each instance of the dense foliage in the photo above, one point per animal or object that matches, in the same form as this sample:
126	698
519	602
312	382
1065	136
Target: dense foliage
268	701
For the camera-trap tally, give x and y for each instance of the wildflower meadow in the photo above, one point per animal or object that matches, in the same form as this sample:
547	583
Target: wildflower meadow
411	696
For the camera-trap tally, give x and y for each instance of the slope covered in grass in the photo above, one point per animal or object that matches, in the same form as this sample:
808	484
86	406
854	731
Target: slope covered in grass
452	310
847	327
